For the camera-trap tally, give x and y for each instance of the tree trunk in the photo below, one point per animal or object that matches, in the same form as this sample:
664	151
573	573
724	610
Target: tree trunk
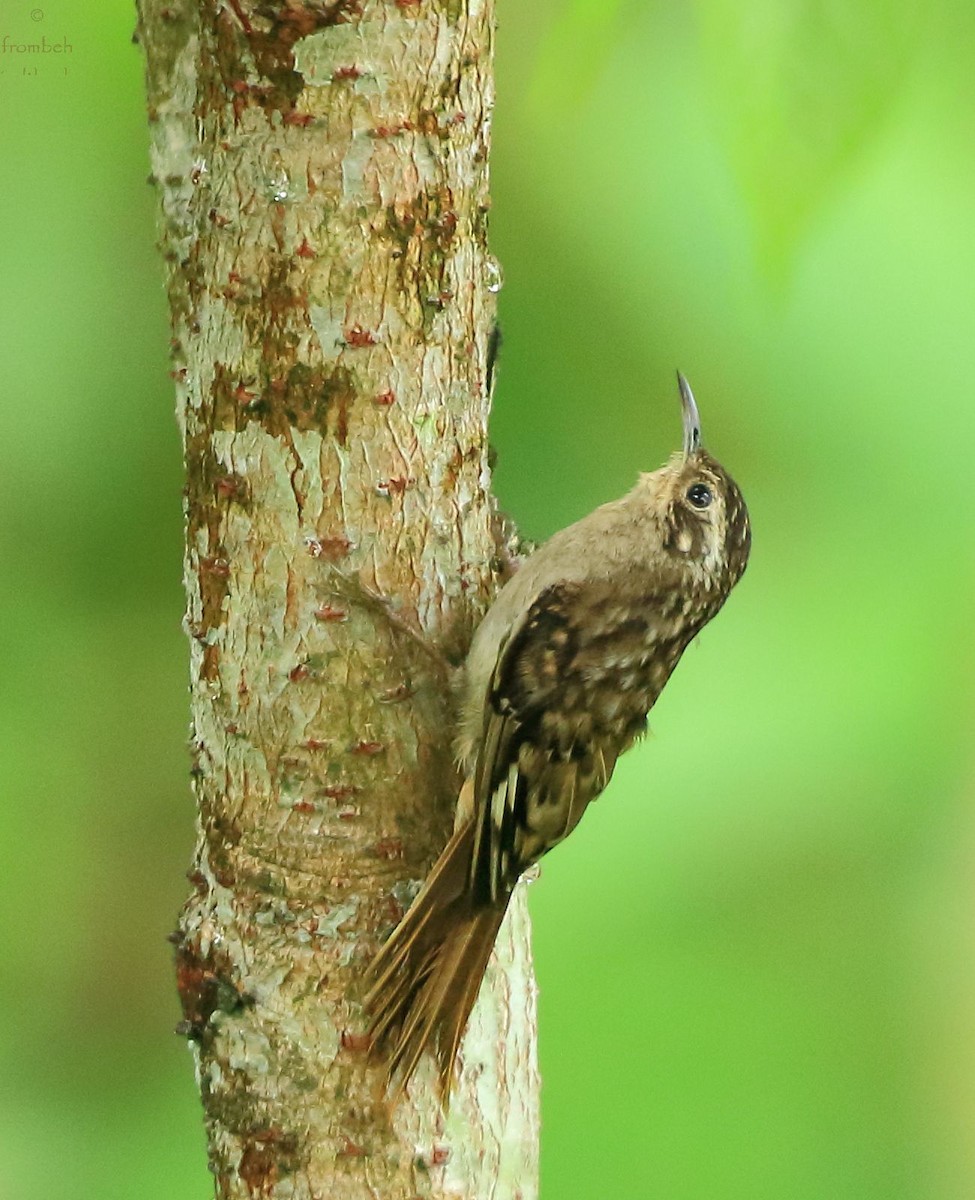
323	174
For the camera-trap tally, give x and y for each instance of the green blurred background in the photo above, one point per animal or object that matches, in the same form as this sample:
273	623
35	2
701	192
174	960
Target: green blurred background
756	961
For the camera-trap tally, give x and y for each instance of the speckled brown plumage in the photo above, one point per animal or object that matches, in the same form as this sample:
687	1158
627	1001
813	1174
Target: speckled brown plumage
557	685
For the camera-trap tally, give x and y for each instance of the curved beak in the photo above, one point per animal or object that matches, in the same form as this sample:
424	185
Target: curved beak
692	418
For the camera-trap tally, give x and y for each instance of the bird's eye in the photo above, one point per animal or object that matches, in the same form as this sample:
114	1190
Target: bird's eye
699	495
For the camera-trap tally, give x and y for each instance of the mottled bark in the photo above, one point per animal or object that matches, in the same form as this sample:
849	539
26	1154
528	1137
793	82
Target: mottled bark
323	172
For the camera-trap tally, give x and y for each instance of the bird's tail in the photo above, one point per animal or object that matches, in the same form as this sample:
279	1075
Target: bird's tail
426	977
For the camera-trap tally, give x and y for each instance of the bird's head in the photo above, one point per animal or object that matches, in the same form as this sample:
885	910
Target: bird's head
704	524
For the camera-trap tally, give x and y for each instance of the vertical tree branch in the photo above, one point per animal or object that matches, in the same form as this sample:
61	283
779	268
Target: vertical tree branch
323	172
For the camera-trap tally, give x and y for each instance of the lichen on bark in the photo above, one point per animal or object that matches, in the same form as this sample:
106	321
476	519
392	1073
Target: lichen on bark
323	176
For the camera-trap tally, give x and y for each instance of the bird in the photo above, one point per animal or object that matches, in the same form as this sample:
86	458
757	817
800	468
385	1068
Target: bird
557	684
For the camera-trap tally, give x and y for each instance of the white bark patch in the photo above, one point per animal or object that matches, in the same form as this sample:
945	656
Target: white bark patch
366	46
173	145
330	923
354	164
329	326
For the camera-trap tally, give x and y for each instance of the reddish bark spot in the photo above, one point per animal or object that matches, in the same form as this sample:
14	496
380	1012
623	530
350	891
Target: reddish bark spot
339	791
350	72
328	547
439	1155
388	131
357	337
229	487
393	487
314	744
325	612
205	984
350	1149
305	250
356	1042
179	374
197	878
218	567
385	399
298	118
390	848
266	1155
368	749
298	672
241	395
303	806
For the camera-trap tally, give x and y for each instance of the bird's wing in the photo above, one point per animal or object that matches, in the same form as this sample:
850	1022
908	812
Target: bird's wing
531	667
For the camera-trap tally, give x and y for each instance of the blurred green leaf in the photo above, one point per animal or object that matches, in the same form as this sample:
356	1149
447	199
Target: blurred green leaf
574	54
802	89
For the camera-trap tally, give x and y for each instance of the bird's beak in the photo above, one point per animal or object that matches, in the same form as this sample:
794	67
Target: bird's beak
692	418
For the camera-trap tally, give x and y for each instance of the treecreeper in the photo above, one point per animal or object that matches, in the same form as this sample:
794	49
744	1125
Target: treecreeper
557	684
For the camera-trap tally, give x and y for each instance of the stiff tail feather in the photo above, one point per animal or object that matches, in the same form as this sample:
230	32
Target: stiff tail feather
426	977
